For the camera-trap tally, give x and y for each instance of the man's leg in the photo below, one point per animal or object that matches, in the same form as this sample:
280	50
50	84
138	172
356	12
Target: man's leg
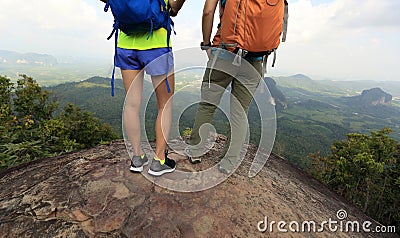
211	93
243	89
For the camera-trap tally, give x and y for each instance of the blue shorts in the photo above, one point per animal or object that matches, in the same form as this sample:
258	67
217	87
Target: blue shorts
154	61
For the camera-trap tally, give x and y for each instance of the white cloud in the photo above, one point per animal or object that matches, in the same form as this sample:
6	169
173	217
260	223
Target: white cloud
54	26
340	19
337	39
342	39
188	26
49	14
369	13
187	35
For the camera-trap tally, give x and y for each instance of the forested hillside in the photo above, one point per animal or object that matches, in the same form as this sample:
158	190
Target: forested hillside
310	115
30	129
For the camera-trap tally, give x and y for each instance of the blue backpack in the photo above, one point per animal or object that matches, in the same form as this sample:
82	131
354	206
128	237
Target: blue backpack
134	16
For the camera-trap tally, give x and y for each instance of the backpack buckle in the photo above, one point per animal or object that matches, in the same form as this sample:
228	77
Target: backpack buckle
239	55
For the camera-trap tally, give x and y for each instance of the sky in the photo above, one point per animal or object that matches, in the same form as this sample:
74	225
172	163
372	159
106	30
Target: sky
327	39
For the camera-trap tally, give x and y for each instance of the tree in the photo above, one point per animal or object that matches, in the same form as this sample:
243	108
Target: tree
365	169
30	100
84	128
6	117
23	108
30	130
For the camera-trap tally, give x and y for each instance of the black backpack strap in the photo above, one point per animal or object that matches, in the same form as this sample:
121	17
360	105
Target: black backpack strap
106	6
274	60
285	21
169	27
114	31
265	59
113	72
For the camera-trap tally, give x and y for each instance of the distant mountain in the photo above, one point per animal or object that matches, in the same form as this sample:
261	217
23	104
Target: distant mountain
300	84
49	70
298	80
352	87
321	112
307	121
371	97
93	95
276	93
12	59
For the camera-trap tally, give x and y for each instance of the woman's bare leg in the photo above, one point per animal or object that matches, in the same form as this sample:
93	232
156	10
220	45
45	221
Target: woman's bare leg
164	117
133	83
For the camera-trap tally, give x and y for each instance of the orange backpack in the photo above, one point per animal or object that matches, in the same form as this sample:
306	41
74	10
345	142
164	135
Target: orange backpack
252	27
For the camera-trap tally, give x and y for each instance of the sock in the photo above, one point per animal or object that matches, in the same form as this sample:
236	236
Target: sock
162	161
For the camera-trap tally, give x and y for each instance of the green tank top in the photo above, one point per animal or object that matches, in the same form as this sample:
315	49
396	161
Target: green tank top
140	41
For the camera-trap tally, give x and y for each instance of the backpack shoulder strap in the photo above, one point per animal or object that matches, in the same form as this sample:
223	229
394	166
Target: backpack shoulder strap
285	21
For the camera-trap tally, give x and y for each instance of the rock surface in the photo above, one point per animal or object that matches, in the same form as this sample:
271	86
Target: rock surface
92	193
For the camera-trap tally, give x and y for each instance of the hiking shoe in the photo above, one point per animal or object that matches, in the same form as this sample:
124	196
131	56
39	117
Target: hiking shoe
159	167
192	159
138	162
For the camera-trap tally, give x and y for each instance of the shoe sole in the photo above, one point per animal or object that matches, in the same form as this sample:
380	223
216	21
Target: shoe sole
159	173
194	161
138	169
